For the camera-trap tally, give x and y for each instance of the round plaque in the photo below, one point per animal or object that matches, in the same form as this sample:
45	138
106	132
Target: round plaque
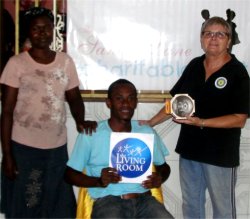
182	105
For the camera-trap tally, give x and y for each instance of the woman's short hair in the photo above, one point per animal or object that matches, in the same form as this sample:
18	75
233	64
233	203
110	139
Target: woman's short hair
217	20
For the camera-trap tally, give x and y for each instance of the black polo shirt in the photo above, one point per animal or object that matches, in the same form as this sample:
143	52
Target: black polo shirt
225	92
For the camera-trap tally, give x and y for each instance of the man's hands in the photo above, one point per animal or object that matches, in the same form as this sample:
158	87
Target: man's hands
157	178
153	181
109	175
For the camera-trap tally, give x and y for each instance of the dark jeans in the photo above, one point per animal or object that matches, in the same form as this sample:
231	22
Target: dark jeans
145	206
39	190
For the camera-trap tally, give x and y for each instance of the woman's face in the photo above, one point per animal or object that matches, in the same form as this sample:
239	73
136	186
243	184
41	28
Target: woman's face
41	32
215	40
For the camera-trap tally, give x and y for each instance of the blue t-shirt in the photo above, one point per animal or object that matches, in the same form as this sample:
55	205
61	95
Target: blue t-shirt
91	153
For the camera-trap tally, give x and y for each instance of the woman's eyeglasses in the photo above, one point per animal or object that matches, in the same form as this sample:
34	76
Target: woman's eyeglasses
210	34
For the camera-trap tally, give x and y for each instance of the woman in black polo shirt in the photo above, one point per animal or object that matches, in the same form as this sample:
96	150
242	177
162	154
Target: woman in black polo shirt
209	141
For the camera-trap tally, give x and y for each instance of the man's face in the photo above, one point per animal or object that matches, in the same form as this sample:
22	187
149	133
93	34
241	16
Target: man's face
122	102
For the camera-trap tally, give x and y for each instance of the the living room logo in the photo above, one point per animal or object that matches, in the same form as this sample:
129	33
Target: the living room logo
131	155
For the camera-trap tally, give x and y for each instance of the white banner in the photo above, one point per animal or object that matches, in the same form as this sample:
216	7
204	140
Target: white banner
146	41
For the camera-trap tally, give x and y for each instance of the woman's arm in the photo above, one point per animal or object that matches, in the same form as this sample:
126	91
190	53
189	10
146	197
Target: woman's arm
227	121
160	117
77	110
9	99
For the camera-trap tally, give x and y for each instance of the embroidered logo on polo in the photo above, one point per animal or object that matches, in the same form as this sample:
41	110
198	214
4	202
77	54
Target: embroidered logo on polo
131	157
220	82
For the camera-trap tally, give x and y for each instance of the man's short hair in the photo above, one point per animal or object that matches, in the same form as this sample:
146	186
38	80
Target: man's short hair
117	83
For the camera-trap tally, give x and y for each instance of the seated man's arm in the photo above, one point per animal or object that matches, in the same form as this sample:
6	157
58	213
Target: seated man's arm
157	178
108	175
80	179
164	171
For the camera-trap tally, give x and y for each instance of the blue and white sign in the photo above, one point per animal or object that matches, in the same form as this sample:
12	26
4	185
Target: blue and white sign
132	154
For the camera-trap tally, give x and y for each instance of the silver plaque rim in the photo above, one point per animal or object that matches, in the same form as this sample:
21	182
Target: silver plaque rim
182	106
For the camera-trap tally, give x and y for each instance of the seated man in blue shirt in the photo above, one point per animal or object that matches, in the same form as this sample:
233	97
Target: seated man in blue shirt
91	153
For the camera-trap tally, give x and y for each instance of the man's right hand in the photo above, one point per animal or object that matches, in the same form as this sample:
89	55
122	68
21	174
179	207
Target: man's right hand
109	175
